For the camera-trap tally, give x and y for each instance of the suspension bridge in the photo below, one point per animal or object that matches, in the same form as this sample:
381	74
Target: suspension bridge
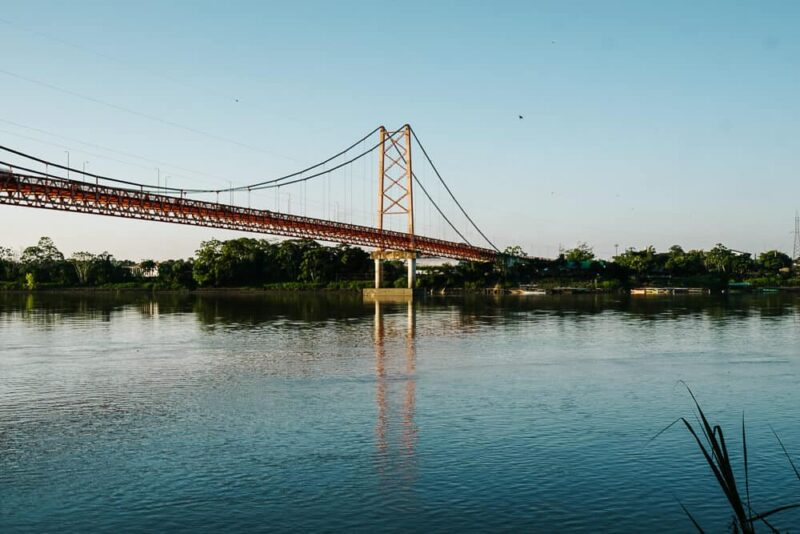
23	182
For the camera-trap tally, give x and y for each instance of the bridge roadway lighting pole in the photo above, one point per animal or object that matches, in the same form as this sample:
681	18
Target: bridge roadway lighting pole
67	153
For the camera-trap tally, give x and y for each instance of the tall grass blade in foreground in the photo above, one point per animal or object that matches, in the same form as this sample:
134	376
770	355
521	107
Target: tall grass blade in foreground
791	462
715	451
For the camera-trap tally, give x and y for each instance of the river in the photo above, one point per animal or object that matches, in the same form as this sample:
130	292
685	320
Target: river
309	412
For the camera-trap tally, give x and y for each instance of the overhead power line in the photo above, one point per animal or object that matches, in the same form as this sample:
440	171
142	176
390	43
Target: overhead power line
140	114
151	72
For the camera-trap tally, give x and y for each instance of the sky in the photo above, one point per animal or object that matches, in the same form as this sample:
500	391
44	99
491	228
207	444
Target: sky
644	123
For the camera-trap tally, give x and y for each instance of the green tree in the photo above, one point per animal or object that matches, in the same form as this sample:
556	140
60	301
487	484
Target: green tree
30	281
176	274
204	269
582	252
515	250
243	262
639	261
8	267
317	264
236	262
44	252
82	262
743	263
288	257
6	254
684	263
353	263
148	265
47	263
510	265
773	261
720	259
474	274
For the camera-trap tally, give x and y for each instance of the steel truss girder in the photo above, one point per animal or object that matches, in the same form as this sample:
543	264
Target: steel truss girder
71	195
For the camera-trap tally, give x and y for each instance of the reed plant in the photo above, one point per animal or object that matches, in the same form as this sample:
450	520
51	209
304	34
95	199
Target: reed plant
711	442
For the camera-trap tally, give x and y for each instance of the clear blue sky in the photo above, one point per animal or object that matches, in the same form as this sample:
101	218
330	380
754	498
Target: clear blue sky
644	122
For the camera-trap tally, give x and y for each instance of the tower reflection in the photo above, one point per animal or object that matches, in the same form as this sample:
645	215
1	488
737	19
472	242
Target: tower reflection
395	391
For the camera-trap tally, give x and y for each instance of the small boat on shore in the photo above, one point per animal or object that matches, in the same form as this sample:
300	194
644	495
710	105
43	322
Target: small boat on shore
669	291
528	290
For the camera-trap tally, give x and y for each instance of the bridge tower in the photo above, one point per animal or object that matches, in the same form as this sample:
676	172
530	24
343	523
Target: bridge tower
396	197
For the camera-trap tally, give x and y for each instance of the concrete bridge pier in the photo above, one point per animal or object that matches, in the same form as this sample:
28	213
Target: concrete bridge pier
378	273
379	256
412	272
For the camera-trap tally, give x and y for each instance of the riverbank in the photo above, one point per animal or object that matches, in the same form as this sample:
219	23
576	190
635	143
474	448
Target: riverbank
305	266
452	292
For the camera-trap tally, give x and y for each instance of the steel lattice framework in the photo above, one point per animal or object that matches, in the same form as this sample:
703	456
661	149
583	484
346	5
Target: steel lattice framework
49	192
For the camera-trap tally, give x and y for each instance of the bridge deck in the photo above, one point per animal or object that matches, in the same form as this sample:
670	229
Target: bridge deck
48	192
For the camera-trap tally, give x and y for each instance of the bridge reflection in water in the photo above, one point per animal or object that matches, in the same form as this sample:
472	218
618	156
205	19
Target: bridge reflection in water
395	392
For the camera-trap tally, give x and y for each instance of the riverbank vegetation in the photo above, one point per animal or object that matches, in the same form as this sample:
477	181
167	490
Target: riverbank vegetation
305	264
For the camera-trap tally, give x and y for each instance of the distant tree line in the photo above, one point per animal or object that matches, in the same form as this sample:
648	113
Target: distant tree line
306	264
240	262
716	268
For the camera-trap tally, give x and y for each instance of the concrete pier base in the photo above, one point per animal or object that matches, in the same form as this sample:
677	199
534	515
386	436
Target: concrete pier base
411	263
379	256
378	272
388	294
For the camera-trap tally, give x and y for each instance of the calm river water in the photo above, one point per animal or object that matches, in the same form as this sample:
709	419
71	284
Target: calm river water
320	412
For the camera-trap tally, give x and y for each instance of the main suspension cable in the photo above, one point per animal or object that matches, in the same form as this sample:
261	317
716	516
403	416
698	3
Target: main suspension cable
435	205
272	183
89	174
39	174
292	175
252	187
450	192
419	183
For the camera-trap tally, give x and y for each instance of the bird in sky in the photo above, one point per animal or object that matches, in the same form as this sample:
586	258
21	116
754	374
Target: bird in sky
521	117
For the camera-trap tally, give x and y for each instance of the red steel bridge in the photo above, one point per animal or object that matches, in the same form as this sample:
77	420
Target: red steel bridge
22	185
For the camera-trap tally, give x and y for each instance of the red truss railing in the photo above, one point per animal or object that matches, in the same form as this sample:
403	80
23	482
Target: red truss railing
71	195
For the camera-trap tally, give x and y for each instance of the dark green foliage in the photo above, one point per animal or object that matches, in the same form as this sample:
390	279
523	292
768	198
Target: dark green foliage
773	261
176	274
9	269
46	264
638	261
579	254
681	263
258	263
107	270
